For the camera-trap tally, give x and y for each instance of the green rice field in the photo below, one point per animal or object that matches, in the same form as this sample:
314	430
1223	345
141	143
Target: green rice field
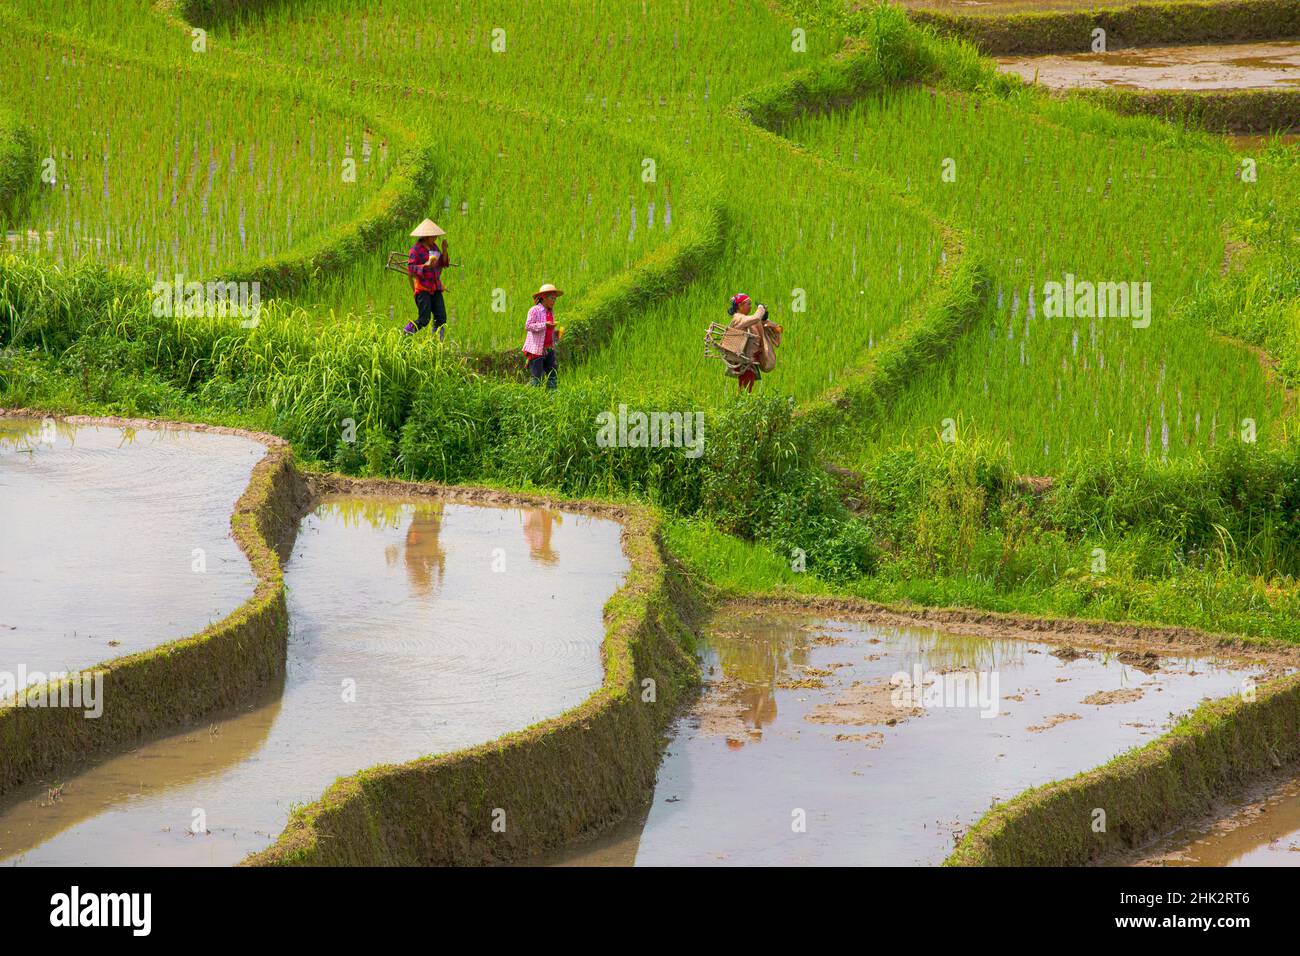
1032	417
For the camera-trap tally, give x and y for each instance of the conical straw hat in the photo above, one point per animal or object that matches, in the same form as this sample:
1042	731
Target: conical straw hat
428	228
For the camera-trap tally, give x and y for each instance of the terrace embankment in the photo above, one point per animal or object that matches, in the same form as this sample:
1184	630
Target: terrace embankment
1222	748
1068	26
417	625
813	711
1248	87
1261	829
421	623
102	512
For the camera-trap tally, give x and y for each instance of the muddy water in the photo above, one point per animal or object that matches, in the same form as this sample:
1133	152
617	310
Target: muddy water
1262	832
1249	142
416	627
798	729
114	540
1243	66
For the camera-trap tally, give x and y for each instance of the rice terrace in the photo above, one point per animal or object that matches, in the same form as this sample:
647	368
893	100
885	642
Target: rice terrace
661	433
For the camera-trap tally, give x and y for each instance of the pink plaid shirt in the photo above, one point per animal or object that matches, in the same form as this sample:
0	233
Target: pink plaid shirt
540	326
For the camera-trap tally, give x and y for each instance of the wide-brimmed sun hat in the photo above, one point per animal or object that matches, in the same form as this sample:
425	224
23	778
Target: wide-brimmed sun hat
428	228
545	289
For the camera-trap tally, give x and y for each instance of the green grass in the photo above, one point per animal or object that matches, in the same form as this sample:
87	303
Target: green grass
654	83
168	176
525	201
1041	199
18	168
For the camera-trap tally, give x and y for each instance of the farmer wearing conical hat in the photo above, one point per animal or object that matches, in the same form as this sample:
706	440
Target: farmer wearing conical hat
539	342
424	265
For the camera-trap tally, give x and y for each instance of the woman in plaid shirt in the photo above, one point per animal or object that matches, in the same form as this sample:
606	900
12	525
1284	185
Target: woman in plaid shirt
539	343
424	265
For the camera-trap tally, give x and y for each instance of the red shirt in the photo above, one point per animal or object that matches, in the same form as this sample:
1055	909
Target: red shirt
425	267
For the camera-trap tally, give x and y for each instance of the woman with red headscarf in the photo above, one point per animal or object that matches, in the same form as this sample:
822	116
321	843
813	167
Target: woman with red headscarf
764	336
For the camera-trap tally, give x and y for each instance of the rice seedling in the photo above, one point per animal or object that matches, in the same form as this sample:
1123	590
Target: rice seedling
578	207
177	177
622	61
838	268
524	201
546	119
1045	201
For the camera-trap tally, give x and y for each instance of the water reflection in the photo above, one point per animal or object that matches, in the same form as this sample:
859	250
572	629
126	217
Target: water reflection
377	671
800	712
1265	832
140	519
538	523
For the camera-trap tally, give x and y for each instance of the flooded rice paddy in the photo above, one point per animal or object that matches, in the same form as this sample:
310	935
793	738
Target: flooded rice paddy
1241	66
115	540
416	627
800	752
1264	831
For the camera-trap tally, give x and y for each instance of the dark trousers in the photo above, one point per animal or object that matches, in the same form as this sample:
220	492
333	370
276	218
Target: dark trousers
430	305
543	365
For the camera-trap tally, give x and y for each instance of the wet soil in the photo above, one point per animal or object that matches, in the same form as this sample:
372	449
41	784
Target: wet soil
823	739
1241	66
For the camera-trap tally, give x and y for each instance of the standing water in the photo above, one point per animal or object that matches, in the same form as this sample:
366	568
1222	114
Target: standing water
1241	66
801	751
1262	832
115	540
416	627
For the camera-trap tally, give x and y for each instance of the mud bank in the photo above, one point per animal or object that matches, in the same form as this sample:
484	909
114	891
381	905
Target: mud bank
1246	66
816	739
1261	830
416	626
175	683
1066	26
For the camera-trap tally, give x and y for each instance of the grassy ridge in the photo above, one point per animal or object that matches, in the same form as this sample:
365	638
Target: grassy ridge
556	781
1230	111
1139	23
